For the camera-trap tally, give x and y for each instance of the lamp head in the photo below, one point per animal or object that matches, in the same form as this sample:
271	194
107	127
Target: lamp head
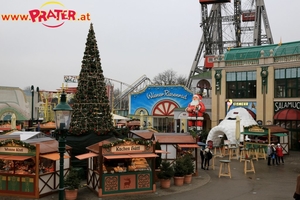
63	112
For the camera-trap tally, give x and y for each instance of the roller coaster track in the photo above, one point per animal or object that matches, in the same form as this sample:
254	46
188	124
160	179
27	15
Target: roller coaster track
137	86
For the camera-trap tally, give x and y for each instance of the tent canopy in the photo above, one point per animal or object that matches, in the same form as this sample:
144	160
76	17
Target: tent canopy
119	117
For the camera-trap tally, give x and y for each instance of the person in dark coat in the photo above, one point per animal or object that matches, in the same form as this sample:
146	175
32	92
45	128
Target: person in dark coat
269	153
207	155
274	156
202	156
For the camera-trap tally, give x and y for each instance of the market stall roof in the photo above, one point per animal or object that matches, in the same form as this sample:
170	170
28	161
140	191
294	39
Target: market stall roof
25	135
47	125
162	151
53	156
6	137
95	147
174	138
86	155
254	133
134	123
276	129
280	134
188	145
140	155
47	144
144	134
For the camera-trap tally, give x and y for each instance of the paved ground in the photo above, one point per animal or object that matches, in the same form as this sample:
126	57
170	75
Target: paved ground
268	183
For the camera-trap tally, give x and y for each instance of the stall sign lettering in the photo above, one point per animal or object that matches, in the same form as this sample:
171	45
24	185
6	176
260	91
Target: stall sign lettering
13	150
255	129
128	148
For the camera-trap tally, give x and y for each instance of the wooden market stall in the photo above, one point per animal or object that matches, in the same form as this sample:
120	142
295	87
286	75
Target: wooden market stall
121	166
29	168
258	137
177	144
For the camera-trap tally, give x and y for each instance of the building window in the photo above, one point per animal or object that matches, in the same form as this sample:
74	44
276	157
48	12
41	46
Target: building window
287	82
241	85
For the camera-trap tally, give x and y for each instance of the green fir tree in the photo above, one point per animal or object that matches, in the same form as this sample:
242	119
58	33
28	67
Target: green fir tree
91	110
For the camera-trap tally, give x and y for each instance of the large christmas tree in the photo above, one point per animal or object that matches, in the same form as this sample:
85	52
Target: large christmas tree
91	111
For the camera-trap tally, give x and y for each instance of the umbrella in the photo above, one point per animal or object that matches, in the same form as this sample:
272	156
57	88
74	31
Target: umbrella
201	143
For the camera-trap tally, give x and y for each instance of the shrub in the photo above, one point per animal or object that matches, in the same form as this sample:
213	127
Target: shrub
166	171
72	180
179	167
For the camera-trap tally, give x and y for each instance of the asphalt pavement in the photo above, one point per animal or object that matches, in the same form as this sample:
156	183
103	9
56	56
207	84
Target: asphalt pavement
267	183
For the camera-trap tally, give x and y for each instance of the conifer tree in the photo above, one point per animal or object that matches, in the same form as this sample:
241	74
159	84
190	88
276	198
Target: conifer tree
91	111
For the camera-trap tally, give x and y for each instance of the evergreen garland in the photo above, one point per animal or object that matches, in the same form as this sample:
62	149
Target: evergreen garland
136	141
14	142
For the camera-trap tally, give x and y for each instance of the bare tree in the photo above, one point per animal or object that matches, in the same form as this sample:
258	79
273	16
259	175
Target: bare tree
169	77
181	80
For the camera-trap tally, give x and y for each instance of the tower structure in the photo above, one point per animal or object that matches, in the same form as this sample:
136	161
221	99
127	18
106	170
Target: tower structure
229	24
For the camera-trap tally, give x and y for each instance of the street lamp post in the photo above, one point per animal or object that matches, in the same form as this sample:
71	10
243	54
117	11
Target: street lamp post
32	103
63	113
38	98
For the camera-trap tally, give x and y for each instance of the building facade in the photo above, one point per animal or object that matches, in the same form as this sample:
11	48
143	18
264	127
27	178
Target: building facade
266	79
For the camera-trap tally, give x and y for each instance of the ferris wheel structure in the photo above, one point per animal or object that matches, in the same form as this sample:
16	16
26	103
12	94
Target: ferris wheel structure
229	24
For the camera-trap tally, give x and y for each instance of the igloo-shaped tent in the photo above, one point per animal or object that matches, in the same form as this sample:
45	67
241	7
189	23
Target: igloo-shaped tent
228	126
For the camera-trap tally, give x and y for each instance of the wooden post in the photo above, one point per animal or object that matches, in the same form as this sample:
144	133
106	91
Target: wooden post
37	171
269	136
100	157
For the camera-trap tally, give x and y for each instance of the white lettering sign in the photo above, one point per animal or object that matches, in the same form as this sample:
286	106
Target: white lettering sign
283	105
71	79
166	93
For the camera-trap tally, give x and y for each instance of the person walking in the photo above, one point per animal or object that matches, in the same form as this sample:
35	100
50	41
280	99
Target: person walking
297	192
269	153
207	156
279	154
274	156
202	156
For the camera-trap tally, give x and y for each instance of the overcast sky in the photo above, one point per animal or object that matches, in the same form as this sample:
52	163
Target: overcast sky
135	38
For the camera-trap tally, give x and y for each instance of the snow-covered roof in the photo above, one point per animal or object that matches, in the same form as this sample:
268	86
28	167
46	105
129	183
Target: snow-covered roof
25	135
228	126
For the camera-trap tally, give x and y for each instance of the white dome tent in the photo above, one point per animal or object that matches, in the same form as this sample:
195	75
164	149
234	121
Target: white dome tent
228	126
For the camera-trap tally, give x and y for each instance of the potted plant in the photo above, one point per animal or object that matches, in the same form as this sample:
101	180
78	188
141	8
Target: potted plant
190	167
165	174
72	183
179	171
